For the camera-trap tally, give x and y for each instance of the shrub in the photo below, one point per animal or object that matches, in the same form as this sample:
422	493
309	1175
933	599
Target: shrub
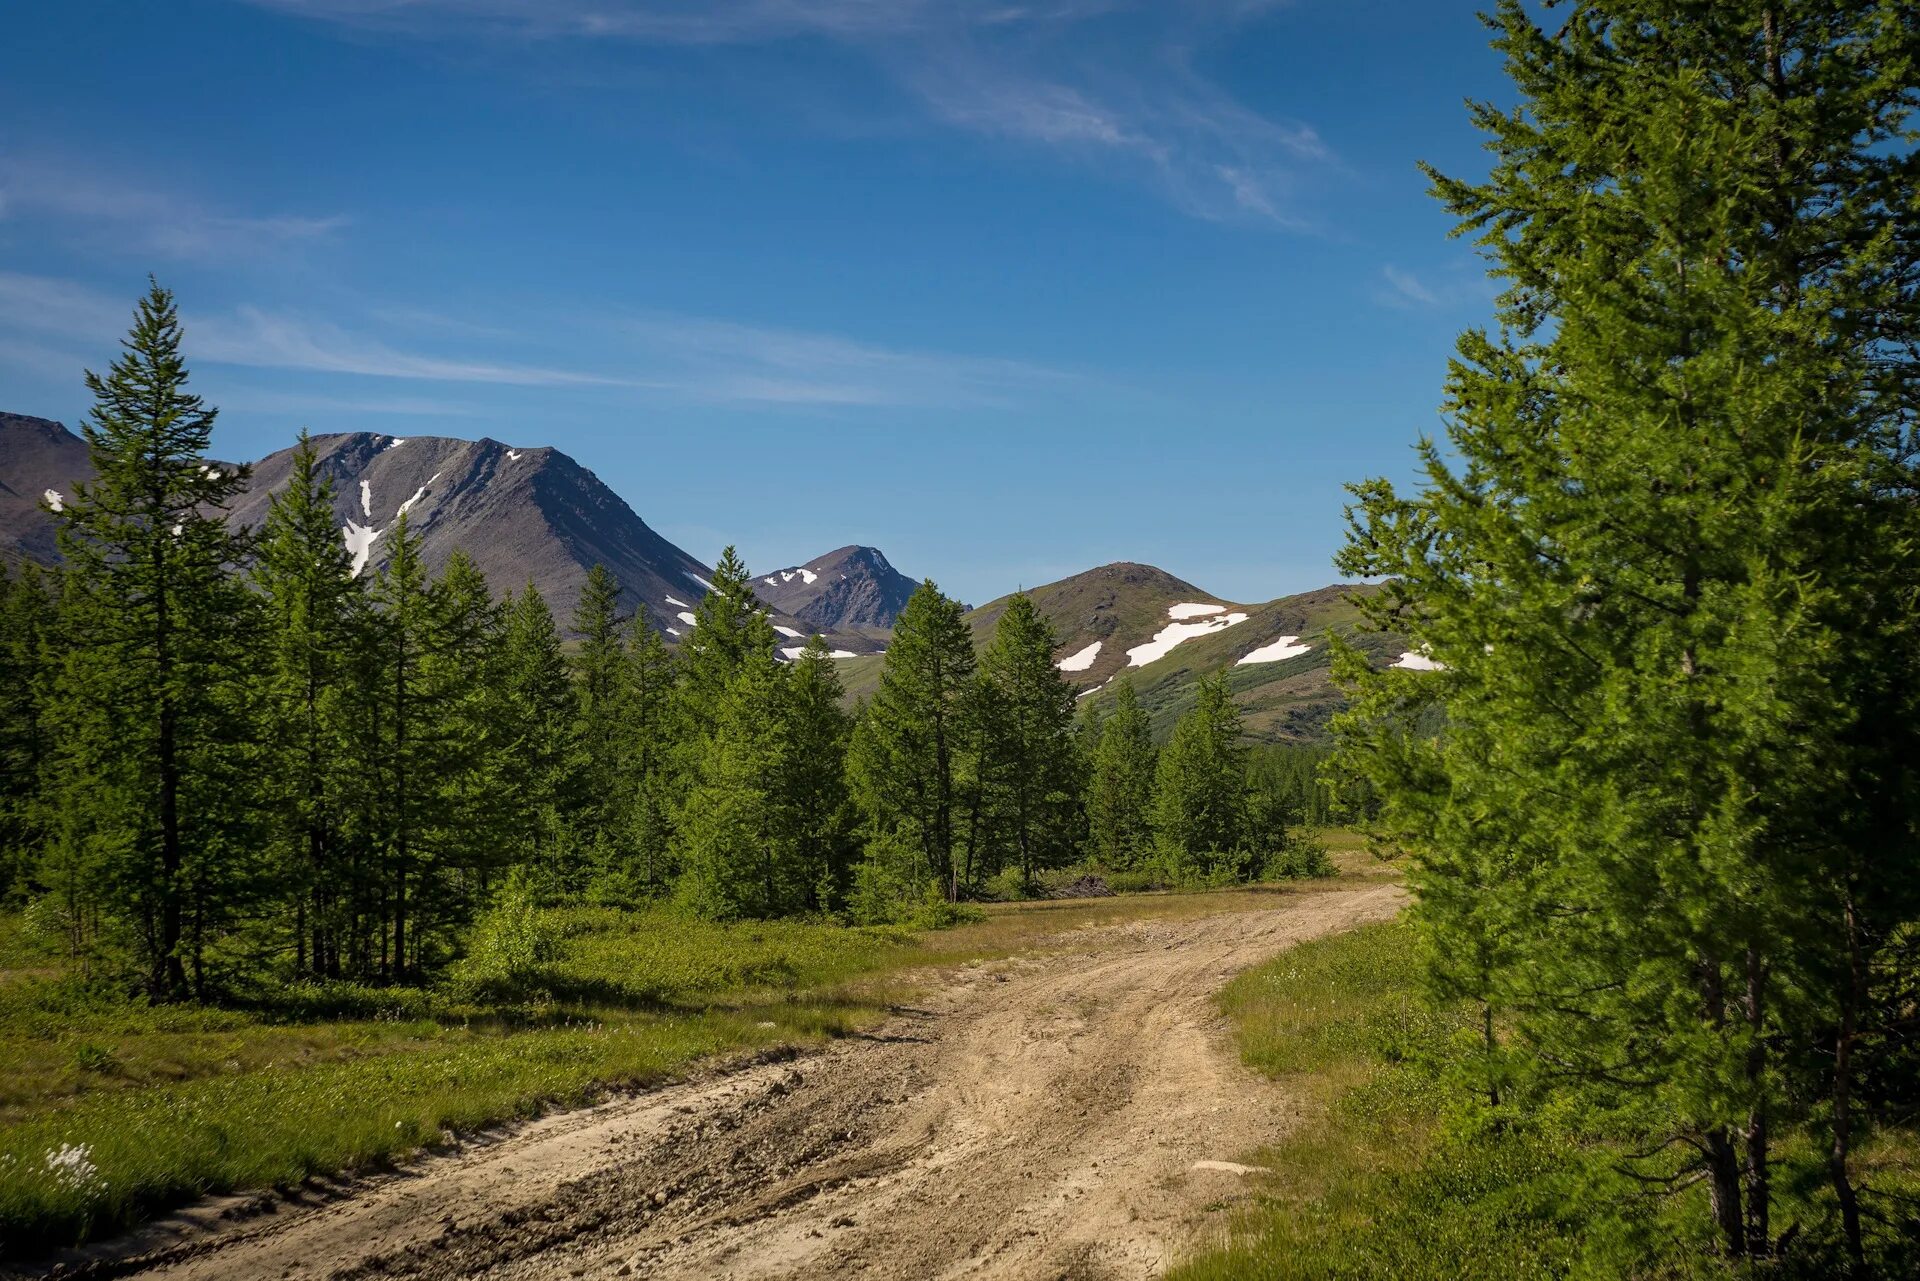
511	946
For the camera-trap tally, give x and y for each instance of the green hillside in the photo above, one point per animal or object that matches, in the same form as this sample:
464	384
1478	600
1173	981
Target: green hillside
1125	606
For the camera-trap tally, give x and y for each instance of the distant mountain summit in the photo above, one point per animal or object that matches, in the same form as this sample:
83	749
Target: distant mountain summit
849	589
523	514
37	457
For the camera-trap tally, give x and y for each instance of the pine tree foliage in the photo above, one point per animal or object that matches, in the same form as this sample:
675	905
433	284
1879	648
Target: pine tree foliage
535	720
1029	762
905	760
26	625
152	620
1120	798
816	831
1668	567
312	621
1200	790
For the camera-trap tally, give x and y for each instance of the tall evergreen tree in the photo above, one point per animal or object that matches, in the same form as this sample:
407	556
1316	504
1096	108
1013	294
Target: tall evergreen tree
1200	789
26	623
406	711
650	733
600	676
1031	766
905	760
1670	581
312	603
537	755
728	827
729	629
151	660
810	781
1120	791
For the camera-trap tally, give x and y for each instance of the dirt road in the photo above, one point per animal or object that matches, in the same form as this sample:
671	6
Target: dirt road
1072	1116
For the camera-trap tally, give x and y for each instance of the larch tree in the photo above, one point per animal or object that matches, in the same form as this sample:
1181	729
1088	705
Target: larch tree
1120	789
810	781
1666	566
1200	789
150	673
905	762
1032	773
312	607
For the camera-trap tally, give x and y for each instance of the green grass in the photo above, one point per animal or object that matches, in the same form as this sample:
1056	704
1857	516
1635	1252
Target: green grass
1390	1176
113	1110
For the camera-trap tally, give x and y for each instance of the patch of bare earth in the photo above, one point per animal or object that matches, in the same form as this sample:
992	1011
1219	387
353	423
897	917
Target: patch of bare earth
1072	1116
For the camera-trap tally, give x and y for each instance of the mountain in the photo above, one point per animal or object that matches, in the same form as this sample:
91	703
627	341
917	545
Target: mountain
850	589
37	455
1167	634
523	515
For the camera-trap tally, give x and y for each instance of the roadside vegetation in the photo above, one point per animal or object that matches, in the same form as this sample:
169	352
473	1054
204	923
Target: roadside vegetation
114	1107
1397	1168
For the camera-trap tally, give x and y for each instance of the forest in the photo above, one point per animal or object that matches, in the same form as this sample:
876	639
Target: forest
229	760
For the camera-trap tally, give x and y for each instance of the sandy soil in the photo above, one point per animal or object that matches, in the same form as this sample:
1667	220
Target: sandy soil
1072	1116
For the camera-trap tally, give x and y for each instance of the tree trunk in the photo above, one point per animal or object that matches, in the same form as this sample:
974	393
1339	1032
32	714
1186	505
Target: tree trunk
1839	1155
1757	1173
1723	1173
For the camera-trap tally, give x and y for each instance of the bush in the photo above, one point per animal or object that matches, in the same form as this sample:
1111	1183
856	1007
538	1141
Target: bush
1302	856
511	946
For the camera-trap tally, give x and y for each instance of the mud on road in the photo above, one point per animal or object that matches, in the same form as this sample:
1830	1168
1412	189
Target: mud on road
1075	1115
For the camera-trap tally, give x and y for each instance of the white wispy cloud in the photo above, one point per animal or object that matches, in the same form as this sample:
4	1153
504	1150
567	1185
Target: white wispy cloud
1407	288
647	356
1021	72
101	211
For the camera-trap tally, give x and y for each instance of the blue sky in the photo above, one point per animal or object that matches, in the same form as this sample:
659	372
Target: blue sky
1006	290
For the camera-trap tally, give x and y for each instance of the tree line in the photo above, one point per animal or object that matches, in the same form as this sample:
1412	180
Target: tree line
226	754
1668	837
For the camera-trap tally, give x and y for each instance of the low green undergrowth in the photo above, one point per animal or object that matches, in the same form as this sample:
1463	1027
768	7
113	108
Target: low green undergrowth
112	1109
1396	1172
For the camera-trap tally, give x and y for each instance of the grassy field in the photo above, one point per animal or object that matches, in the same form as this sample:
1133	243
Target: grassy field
112	1110
1386	1176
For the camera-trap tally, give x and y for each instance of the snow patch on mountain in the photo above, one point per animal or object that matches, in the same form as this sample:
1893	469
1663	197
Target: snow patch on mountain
788	631
55	500
366	500
793	652
1283	648
682	604
696	578
513	455
686	618
1175	633
1081	661
1415	661
1194	610
359	540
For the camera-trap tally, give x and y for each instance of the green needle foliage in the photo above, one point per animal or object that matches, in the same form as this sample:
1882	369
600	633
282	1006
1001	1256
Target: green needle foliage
1120	800
1030	762
1665	839
146	769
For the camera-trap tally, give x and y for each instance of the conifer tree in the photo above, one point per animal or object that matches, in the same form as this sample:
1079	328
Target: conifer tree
729	629
1031	766
1669	581
1200	789
535	769
465	843
26	622
151	652
600	675
728	826
406	711
905	763
650	762
810	781
1120	792
311	604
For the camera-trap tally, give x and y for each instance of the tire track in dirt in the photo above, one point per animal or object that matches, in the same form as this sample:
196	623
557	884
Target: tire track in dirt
1031	1118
